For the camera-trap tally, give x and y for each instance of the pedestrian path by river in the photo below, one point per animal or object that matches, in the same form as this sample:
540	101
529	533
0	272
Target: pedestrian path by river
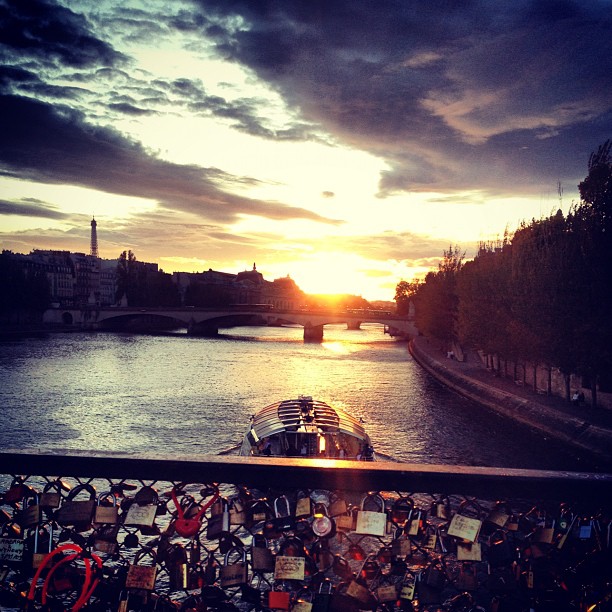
584	426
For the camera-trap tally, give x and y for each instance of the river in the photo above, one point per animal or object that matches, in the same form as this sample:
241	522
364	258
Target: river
177	394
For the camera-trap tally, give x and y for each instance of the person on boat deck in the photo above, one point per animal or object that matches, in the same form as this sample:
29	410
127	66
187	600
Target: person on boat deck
266	447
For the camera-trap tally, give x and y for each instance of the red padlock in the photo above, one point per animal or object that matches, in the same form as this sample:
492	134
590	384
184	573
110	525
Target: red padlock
279	600
188	527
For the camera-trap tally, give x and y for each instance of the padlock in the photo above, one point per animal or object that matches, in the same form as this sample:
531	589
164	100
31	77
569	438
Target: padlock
370	569
279	600
401	545
237	511
30	514
105	538
262	558
347	521
544	533
189	526
342	568
77	513
342	602
386	590
500	514
236	573
415	523
258	510
219	521
106	511
441	507
435	575
176	564
142	508
303	505
469	551
408	586
282	520
372	522
501	552
142	577
401	510
290	562
359	591
467	579
464	526
337	506
38	556
322	525
322	555
321	600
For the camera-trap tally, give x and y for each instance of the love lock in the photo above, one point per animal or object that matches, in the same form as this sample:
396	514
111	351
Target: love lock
142	508
77	513
282	520
188	527
219	521
236	573
106	511
261	556
290	563
372	522
323	526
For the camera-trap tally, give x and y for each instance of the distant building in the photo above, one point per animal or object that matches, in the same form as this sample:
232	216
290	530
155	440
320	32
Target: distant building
247	287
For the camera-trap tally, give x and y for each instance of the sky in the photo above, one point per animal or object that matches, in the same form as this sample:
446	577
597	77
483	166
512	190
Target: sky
346	144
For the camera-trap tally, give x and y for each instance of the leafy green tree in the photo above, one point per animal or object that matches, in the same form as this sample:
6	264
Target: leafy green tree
436	299
591	223
406	292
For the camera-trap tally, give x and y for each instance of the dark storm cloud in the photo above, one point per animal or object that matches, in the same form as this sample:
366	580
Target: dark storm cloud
52	34
499	96
55	145
31	207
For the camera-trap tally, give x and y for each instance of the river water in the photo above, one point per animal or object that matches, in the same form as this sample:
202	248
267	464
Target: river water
178	394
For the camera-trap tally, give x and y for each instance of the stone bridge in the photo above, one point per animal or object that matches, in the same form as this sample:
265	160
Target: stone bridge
208	321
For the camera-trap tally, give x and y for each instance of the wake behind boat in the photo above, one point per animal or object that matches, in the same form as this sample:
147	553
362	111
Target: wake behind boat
304	427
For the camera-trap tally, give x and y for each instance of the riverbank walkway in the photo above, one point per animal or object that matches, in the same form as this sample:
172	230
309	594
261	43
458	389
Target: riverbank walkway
587	428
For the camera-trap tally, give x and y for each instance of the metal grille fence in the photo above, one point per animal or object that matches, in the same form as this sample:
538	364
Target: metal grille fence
117	532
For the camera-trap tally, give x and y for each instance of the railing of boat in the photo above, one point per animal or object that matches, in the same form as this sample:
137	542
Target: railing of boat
185	531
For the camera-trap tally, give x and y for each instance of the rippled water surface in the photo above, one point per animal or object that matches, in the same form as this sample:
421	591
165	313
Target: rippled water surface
180	394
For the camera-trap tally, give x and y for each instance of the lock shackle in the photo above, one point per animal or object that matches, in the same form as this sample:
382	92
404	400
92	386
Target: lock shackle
240	549
105	497
86	486
287	508
374	496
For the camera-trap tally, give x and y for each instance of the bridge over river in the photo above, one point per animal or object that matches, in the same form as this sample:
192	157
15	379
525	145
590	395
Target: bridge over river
208	321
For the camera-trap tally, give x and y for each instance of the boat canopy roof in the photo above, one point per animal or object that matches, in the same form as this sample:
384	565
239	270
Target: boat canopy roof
304	415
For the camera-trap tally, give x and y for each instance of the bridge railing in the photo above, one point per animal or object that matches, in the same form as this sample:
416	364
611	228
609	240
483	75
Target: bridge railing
114	531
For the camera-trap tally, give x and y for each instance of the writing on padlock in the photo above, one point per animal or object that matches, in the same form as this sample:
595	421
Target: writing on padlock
12	545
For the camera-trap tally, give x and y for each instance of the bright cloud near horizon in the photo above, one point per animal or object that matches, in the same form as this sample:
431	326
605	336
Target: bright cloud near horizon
346	144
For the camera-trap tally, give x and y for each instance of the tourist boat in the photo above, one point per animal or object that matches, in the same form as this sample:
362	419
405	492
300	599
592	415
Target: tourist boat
305	427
